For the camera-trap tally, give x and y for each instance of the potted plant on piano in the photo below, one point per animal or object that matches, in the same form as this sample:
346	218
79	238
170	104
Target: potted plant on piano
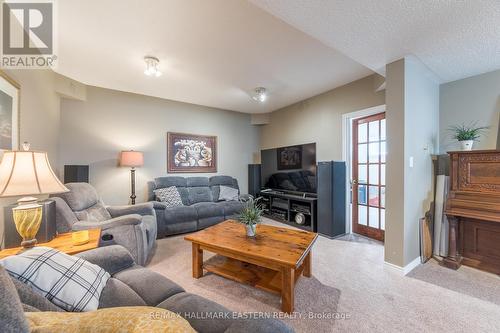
251	215
467	134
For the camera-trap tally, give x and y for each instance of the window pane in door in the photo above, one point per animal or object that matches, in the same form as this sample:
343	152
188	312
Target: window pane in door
362	215
374	152
362	153
362	194
382	129
373	217
362	132
382	174
373	131
373	196
374	174
382	196
362	174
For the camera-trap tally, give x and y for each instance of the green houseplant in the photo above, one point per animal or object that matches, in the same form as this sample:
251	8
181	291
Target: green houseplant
251	215
467	134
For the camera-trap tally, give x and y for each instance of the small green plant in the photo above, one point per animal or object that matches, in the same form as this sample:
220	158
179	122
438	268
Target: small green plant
251	212
467	132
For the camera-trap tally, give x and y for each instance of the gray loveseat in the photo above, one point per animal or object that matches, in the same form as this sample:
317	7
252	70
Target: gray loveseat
131	285
202	208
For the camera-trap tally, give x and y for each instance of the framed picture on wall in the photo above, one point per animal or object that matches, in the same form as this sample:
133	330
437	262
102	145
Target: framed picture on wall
191	153
9	113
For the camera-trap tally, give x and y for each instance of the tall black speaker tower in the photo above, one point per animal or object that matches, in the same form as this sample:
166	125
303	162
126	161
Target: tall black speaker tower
76	174
331	198
254	179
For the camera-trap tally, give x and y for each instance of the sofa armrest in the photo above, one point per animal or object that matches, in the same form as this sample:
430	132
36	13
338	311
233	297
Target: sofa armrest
141	209
159	205
112	259
132	219
244	197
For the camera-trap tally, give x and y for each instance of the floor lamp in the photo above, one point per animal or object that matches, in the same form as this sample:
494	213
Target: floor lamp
132	159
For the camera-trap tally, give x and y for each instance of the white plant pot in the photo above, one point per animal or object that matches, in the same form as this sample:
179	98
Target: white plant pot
467	144
251	229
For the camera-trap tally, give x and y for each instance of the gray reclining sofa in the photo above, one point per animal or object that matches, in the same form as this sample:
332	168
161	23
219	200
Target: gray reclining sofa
131	285
201	206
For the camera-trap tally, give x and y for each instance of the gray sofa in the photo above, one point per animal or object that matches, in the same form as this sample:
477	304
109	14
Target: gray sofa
201	205
131	285
133	227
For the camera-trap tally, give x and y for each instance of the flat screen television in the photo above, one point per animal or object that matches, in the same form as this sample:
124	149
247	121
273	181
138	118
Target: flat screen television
290	169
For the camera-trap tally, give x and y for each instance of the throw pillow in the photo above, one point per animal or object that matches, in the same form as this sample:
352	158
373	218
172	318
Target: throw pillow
69	282
228	193
133	319
170	196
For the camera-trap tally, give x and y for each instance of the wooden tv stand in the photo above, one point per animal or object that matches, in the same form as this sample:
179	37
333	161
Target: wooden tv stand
282	207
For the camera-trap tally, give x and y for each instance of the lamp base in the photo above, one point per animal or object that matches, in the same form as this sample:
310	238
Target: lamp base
27	218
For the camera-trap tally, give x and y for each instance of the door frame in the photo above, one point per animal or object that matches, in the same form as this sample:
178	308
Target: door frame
347	119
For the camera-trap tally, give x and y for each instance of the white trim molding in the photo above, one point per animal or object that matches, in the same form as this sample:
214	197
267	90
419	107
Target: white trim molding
404	270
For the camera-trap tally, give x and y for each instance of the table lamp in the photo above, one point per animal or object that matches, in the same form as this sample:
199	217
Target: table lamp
132	159
27	173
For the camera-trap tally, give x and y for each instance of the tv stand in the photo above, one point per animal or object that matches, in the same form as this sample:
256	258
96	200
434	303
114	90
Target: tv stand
284	207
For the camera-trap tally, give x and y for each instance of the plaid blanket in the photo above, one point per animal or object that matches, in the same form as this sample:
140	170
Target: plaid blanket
69	282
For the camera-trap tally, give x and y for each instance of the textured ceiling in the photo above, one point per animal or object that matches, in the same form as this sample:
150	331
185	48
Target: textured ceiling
211	53
455	39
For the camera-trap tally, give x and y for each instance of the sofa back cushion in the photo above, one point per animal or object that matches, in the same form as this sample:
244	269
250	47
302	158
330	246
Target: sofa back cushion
217	181
11	310
199	194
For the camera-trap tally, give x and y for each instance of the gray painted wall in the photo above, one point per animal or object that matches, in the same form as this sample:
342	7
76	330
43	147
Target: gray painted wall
96	130
475	99
319	119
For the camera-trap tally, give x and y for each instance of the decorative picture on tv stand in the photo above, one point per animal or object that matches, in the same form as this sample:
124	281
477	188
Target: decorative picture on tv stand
191	153
289	158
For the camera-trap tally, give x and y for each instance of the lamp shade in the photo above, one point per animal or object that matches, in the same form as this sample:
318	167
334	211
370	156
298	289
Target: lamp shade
27	173
131	158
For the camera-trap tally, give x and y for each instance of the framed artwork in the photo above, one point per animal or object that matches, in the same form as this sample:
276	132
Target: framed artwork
191	153
289	158
9	113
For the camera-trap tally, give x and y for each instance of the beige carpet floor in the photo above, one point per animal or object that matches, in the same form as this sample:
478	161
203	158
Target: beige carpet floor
350	279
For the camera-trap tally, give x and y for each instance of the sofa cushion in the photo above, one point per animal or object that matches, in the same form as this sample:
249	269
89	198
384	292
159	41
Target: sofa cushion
31	298
199	194
197	182
71	283
180	214
209	209
116	293
170	196
11	310
217	181
152	287
113	258
186	304
176	181
95	213
231	208
80	196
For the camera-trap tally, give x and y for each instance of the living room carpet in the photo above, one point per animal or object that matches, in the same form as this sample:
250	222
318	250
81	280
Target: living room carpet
351	280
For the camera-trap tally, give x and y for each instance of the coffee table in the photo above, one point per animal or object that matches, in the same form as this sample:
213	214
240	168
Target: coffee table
272	261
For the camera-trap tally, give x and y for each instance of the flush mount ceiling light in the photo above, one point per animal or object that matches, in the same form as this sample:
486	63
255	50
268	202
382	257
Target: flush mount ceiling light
152	66
260	94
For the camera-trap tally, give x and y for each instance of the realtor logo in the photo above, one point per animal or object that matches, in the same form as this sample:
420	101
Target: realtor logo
28	34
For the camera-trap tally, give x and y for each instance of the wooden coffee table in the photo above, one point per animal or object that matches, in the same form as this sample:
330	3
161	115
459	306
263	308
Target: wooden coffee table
273	260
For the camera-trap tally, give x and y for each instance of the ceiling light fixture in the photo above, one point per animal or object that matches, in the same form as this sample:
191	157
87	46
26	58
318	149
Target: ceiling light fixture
152	66
260	94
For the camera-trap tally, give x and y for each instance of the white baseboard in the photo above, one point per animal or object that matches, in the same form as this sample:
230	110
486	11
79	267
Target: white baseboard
404	270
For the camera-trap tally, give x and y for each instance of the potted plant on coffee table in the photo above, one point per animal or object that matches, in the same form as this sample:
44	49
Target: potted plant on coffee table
467	134
251	215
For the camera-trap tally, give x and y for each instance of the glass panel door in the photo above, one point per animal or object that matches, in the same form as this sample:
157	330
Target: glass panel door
368	170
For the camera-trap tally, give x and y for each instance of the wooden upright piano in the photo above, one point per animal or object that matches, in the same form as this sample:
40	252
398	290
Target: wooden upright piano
473	210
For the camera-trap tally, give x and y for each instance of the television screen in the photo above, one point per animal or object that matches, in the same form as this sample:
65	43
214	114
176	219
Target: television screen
290	168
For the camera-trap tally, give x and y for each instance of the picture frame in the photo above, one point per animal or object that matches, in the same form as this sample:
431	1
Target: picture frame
191	153
10	99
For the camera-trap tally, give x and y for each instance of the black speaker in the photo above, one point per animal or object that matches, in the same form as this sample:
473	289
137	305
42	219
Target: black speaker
47	230
331	198
254	179
76	174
